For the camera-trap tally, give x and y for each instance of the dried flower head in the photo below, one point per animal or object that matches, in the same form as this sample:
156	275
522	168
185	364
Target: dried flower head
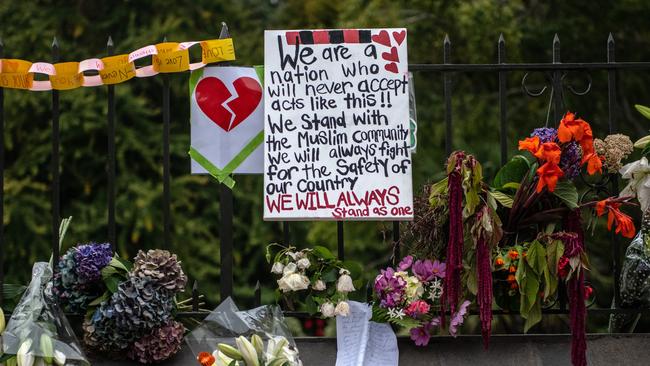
159	345
162	267
614	149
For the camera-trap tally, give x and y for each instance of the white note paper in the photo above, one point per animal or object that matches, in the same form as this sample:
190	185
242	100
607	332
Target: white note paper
361	342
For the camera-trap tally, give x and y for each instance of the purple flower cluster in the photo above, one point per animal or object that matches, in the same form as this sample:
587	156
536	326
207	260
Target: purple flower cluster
427	270
545	134
571	160
90	259
389	288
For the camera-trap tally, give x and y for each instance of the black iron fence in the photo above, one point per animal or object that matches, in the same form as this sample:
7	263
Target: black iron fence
554	72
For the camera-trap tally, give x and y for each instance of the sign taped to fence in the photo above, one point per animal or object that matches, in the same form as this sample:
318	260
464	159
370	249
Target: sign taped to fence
226	117
337	142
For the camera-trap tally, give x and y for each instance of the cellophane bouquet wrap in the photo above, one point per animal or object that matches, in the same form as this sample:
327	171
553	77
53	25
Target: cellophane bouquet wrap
226	323
38	331
635	279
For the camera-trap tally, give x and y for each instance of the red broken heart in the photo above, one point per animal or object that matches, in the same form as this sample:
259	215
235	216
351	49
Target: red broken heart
212	94
399	36
382	38
391	56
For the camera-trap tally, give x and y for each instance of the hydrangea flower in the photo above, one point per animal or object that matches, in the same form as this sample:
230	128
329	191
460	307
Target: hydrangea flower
545	134
389	288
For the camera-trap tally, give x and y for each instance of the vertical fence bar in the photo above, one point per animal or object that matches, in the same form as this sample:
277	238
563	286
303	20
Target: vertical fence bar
258	294
503	126
611	121
195	296
286	233
110	166
557	82
166	168
225	233
2	180
446	85
55	187
557	106
396	243
340	239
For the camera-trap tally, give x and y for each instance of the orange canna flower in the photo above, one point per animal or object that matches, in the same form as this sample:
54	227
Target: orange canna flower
549	151
513	254
499	262
624	224
594	163
549	174
530	143
572	128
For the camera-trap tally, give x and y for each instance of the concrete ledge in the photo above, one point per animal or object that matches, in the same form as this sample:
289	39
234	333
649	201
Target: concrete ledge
505	350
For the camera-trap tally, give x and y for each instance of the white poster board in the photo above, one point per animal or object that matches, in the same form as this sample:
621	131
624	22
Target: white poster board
226	118
336	125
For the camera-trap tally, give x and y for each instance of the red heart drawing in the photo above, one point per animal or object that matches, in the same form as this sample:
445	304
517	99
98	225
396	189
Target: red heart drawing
399	36
392	67
212	94
382	38
391	56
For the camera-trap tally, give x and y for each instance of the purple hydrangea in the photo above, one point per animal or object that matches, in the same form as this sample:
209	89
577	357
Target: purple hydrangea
545	134
570	162
90	259
389	288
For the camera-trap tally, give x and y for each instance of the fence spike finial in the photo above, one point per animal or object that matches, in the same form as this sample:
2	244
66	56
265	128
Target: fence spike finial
556	39
164	38
610	39
225	32
447	41
110	41
55	43
501	39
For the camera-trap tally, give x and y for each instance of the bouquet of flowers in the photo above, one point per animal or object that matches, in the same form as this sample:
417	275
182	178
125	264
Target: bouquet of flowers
129	307
38	331
410	296
241	335
525	226
315	278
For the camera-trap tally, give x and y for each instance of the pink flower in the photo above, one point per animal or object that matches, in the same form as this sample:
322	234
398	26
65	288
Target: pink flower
417	308
439	269
426	270
458	318
405	263
421	335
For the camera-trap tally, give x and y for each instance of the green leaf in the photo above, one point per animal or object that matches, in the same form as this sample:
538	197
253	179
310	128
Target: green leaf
554	251
504	199
534	317
536	257
310	305
330	276
115	262
511	185
355	268
105	296
323	252
111	283
645	111
513	172
6	357
12	291
567	192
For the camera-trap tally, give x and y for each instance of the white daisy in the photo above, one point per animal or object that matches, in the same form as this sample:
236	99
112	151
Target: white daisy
436	289
396	313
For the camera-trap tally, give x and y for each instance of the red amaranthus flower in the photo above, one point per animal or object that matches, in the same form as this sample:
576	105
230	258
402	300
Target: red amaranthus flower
624	224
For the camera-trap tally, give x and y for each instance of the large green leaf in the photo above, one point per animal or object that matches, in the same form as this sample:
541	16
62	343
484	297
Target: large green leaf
567	192
513	172
504	199
323	252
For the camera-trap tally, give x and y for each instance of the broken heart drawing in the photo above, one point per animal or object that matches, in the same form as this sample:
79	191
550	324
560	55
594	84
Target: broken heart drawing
225	108
226	119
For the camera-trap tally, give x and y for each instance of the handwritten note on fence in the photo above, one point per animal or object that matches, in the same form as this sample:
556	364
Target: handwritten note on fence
336	125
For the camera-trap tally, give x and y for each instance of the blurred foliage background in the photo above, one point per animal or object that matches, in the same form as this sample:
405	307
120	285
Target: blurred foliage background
82	28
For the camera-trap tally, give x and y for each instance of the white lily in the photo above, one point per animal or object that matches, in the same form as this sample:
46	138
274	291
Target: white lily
220	359
247	351
275	346
59	358
24	357
230	351
258	343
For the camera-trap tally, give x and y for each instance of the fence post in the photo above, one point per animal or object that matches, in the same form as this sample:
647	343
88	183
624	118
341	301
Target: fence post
557	82
2	180
110	132
611	104
446	88
225	232
55	187
501	58
166	167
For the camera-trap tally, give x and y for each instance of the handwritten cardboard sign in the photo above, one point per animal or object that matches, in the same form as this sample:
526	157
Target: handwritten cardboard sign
337	139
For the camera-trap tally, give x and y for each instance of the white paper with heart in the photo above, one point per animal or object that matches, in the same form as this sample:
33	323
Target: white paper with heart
226	116
337	142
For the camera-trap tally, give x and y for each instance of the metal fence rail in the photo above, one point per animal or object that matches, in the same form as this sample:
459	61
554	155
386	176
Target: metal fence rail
554	71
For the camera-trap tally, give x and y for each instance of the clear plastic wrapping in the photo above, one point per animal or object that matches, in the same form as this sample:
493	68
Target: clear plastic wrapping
225	323
38	329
